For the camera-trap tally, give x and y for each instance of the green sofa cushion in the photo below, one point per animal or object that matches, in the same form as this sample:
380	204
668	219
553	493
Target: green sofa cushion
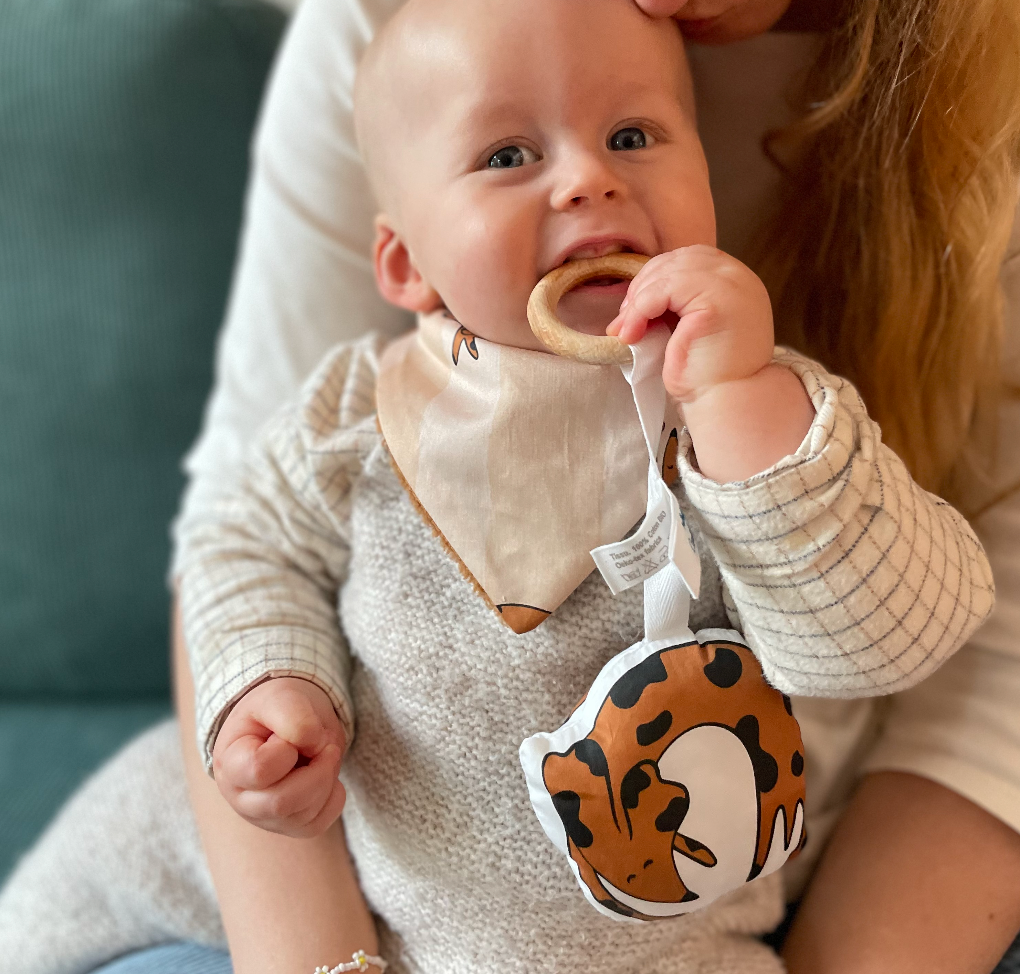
124	133
46	751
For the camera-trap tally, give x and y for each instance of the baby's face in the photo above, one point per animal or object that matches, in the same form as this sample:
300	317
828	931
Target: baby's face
526	133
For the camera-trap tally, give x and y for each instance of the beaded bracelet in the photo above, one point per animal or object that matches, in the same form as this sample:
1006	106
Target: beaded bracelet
359	962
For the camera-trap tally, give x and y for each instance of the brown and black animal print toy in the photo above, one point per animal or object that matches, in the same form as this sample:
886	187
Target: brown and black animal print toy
678	778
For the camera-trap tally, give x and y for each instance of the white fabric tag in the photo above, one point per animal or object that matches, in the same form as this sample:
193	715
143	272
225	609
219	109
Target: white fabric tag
663	537
629	562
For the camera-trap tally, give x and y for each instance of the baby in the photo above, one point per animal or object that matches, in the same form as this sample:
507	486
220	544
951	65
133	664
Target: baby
503	140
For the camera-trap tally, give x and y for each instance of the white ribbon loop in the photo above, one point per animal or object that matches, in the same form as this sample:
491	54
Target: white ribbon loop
659	554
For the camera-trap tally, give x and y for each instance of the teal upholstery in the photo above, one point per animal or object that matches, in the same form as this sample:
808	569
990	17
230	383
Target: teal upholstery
124	138
47	750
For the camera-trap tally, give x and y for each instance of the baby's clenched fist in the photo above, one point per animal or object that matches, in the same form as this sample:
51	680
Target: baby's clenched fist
277	756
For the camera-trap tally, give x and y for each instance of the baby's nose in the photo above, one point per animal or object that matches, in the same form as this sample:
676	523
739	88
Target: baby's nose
586	181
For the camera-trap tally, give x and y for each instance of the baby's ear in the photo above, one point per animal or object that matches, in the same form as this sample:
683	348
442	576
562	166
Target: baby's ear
398	279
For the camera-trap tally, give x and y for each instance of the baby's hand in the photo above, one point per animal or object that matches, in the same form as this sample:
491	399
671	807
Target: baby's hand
744	412
277	756
725	328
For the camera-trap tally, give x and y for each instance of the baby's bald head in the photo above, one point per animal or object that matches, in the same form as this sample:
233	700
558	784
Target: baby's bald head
388	90
503	137
434	52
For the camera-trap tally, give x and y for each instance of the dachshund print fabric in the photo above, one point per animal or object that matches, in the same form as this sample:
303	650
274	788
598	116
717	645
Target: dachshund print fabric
678	778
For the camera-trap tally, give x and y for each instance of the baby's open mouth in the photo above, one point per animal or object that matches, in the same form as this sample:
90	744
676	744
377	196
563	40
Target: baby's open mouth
601	282
607	283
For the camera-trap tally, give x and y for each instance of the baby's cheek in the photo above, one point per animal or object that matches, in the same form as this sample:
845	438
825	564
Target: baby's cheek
686	212
489	277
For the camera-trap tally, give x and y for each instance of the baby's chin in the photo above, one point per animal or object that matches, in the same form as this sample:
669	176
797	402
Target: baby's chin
589	308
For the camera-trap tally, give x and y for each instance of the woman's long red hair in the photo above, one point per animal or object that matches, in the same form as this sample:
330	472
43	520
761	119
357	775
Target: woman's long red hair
884	257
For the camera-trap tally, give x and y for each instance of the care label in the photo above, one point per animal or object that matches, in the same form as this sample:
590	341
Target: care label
662	537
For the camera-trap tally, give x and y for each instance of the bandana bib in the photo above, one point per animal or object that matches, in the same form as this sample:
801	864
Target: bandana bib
522	461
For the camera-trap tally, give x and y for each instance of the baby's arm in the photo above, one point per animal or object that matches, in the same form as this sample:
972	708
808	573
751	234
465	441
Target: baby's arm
288	905
259	572
847	577
258	577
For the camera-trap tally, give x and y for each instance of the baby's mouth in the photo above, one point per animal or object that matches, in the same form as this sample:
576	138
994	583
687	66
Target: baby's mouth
601	282
595	249
592	248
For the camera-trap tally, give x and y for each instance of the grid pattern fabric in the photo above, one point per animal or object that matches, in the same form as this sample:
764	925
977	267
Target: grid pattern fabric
848	578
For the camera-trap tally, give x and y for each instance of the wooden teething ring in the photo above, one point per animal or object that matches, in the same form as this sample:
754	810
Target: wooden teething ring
555	335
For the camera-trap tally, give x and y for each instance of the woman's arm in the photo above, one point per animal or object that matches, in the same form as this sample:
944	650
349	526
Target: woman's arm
931	889
923	871
288	905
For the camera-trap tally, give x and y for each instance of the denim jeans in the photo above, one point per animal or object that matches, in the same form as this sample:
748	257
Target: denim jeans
191	959
172	959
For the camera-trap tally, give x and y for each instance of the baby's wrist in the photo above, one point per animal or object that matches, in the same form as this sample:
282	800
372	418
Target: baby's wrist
273	683
706	404
744	426
250	702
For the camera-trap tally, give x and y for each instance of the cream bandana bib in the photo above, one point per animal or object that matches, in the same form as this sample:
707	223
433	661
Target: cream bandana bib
523	461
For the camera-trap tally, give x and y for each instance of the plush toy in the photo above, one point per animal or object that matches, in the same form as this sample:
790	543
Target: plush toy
680	775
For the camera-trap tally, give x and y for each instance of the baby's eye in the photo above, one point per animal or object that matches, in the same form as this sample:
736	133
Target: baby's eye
630	138
511	157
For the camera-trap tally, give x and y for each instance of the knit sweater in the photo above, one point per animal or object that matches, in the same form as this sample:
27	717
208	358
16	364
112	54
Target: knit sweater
845	577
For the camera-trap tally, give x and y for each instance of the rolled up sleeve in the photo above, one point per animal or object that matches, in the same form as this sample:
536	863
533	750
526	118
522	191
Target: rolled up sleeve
848	578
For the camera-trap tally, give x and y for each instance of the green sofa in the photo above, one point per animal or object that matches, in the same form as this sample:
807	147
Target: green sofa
124	138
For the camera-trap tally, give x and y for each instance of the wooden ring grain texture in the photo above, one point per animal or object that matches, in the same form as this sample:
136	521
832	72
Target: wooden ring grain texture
555	335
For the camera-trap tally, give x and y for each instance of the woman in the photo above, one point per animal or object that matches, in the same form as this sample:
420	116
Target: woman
883	257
